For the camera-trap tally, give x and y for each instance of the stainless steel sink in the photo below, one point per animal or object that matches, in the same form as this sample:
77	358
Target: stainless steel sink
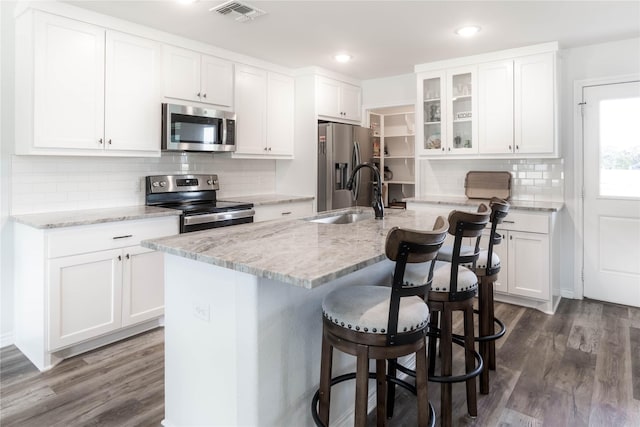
343	218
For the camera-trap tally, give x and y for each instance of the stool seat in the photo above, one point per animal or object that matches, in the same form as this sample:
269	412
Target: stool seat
446	253
467	280
366	309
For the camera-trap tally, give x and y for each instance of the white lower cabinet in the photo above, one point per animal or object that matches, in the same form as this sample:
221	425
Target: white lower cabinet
283	210
529	272
84	286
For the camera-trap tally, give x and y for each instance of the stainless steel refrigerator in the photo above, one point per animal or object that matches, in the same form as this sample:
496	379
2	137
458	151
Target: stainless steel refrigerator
340	148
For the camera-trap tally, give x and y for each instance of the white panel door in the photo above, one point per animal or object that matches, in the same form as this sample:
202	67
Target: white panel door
181	70
133	93
529	264
495	107
329	97
85	296
216	81
251	110
350	101
534	96
142	285
280	112
612	193
68	83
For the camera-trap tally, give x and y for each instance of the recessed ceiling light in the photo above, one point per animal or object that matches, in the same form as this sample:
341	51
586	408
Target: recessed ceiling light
186	1
468	31
343	57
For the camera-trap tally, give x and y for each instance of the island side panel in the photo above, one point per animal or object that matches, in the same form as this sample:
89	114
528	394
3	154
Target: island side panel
257	360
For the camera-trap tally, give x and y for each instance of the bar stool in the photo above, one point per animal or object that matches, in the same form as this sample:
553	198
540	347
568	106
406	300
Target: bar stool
453	288
487	274
381	323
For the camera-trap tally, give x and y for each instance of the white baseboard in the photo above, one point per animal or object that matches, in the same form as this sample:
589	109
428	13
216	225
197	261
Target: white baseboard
566	293
6	339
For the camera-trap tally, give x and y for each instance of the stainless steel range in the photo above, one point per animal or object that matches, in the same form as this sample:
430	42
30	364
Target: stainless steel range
195	196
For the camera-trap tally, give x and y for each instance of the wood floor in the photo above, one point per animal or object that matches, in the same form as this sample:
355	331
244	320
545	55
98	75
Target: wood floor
580	367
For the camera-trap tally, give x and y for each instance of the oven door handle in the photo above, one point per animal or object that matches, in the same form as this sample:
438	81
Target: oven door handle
217	217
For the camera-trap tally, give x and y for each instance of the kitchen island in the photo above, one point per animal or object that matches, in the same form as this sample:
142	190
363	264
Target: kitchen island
243	320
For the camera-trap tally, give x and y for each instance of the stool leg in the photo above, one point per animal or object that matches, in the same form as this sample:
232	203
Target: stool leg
326	360
446	369
492	330
381	392
391	388
433	324
472	402
422	386
362	385
484	329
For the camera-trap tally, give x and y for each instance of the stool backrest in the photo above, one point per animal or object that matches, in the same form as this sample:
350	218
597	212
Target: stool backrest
406	246
465	224
499	210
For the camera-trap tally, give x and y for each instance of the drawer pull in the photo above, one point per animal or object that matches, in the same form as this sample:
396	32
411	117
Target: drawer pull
508	222
123	237
286	213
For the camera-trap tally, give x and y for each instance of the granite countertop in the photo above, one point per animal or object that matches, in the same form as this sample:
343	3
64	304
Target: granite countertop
297	252
91	216
464	201
265	199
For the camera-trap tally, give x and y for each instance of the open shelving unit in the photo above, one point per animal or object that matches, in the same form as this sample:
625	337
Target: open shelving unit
393	142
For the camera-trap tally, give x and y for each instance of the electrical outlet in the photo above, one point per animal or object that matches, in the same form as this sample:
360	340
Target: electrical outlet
202	311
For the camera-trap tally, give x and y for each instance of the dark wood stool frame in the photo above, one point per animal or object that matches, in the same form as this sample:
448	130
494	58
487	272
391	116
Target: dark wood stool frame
487	334
403	246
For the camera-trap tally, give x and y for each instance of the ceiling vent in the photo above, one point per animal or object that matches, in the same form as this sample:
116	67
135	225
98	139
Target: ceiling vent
241	12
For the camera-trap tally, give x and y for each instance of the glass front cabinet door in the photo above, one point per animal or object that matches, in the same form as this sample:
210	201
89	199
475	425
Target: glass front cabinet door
449	105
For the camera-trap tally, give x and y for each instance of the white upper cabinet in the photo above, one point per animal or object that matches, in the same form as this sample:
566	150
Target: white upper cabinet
495	109
87	90
448	114
338	99
264	105
68	84
192	76
535	104
280	114
132	93
517	106
500	105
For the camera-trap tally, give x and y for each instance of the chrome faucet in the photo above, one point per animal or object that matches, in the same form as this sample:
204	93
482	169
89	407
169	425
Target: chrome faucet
376	203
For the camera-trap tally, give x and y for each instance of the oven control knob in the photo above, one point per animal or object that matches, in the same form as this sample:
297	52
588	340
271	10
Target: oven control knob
163	183
209	182
155	184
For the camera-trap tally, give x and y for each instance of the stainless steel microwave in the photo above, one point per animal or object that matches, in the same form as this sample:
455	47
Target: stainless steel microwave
187	128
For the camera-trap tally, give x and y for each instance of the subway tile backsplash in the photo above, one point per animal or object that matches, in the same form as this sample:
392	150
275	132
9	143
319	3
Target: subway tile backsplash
532	179
48	183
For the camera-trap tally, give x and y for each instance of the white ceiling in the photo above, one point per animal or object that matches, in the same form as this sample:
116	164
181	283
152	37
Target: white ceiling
386	38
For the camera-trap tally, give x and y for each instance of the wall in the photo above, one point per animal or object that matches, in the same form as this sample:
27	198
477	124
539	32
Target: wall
389	91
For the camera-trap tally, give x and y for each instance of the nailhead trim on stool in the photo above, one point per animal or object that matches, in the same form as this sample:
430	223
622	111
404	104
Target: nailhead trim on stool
366	309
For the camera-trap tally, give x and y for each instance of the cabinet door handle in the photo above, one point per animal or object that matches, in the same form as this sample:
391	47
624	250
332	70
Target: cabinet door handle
127	256
100	141
204	95
510	237
269	149
123	237
509	148
198	95
517	147
119	258
109	142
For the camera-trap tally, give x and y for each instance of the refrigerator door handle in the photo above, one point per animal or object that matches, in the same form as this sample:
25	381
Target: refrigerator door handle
356	162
